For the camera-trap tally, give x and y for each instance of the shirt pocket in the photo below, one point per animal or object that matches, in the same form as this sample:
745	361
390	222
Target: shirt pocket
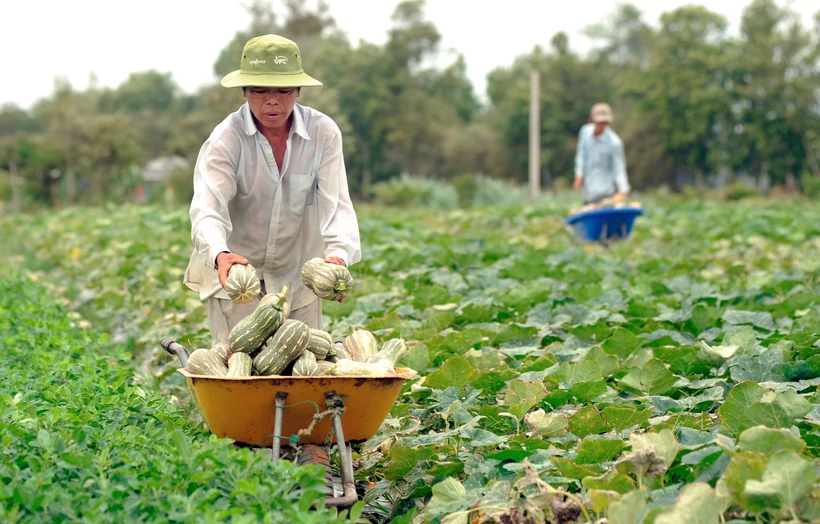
302	192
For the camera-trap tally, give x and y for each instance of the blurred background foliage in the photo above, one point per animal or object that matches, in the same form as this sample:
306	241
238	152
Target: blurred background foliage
695	107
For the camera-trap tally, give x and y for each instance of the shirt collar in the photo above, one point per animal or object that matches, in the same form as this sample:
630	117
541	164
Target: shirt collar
299	122
298	126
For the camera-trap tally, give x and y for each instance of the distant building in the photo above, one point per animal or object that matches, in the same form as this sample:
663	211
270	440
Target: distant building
160	169
158	172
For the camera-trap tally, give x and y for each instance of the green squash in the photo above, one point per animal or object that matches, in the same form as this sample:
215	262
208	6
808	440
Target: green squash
328	281
252	331
242	284
360	345
206	362
240	365
285	346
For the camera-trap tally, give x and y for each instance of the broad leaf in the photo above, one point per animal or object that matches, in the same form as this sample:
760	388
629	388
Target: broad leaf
622	417
621	344
404	459
743	467
697	504
651	379
542	424
759	319
750	405
785	480
456	372
447	495
629	509
598	451
768	441
588	421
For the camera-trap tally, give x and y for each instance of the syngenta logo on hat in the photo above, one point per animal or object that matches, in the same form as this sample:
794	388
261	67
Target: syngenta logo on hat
280	60
256	62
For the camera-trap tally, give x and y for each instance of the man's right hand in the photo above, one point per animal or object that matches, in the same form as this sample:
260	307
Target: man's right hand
576	185
224	261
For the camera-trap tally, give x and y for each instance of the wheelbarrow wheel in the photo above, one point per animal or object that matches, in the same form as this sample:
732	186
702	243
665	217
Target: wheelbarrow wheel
316	455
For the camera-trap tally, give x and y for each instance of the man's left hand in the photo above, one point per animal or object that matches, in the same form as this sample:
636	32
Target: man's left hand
620	196
336	260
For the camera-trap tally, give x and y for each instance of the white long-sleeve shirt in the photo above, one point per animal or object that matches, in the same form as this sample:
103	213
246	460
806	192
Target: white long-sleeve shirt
277	220
602	163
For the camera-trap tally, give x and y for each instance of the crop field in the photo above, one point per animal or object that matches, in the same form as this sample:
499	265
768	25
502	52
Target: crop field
669	378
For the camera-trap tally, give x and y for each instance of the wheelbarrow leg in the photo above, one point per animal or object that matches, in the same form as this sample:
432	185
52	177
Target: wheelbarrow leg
345	459
277	424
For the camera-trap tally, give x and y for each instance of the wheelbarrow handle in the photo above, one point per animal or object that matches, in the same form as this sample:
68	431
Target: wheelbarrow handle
176	349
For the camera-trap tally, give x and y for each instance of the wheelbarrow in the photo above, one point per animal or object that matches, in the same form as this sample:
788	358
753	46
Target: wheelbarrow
605	224
261	412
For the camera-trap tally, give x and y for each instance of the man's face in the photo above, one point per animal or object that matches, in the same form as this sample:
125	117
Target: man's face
271	106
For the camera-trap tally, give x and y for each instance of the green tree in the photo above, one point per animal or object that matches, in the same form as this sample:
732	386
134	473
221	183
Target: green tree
627	39
149	90
685	86
773	86
14	119
453	86
109	151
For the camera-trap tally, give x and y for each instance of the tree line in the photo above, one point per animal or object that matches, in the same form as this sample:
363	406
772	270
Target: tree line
694	105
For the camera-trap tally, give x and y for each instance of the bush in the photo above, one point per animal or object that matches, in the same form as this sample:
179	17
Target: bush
406	191
810	185
466	187
739	191
493	192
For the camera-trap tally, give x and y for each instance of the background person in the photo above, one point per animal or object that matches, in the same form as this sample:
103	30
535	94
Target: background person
600	162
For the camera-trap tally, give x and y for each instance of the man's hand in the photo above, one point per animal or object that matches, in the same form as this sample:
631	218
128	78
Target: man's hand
578	183
336	260
620	196
224	261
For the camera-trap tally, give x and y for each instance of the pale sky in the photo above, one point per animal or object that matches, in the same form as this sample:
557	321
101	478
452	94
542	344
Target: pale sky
44	39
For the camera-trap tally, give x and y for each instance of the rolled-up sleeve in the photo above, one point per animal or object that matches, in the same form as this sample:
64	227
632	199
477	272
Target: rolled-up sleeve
214	187
337	219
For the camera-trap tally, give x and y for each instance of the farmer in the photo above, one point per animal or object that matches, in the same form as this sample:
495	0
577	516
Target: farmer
600	163
270	190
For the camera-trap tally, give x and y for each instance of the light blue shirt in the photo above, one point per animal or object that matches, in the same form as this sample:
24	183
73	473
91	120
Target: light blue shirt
602	163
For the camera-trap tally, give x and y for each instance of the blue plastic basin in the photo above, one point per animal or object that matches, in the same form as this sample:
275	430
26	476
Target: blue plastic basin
604	224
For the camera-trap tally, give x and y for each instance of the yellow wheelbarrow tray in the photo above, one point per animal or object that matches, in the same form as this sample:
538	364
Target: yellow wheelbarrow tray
243	409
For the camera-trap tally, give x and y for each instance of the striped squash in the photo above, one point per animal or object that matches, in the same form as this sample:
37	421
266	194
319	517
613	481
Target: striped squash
240	365
320	343
252	331
242	285
285	346
325	367
337	352
392	351
328	281
351	368
305	365
222	349
360	344
206	362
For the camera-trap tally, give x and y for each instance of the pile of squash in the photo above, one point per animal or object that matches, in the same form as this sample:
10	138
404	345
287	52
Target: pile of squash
607	203
268	343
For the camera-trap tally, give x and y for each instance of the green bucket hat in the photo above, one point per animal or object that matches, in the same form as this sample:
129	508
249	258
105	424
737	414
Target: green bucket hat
270	61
